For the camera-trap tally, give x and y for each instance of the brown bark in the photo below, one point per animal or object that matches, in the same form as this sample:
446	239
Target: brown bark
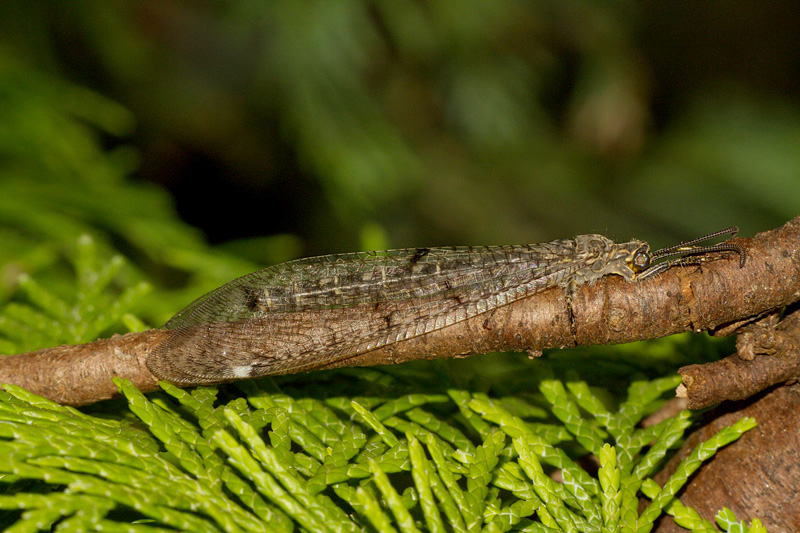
733	378
757	476
768	352
693	298
80	375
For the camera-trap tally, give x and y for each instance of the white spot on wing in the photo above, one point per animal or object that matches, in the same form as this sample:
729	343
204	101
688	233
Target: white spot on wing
242	371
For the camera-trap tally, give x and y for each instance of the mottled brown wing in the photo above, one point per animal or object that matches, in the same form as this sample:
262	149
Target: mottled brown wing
310	312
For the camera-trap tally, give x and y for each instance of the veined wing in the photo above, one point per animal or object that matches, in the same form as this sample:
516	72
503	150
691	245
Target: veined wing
345	280
413	292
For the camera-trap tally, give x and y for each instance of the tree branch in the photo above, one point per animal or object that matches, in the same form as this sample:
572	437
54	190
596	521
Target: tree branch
768	352
758	475
81	374
693	298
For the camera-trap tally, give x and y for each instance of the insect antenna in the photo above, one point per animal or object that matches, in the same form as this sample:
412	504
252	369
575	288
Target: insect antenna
690	254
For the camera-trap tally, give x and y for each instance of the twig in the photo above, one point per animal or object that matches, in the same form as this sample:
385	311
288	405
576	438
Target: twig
688	298
768	352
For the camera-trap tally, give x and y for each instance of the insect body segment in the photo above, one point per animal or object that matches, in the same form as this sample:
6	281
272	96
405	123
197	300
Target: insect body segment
308	313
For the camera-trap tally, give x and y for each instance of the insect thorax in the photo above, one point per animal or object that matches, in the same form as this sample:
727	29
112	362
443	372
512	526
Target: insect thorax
600	256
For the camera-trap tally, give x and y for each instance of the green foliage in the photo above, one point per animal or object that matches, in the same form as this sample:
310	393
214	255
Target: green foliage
419	447
57	182
270	461
396	448
488	124
691	520
48	319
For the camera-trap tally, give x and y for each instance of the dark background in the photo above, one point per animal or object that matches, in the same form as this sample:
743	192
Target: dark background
296	128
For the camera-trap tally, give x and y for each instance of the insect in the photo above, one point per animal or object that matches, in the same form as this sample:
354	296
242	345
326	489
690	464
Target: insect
307	313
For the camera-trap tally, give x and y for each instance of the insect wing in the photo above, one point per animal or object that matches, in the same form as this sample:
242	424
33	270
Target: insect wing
311	312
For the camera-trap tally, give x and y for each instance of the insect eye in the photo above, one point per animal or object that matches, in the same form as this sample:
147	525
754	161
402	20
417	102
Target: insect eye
641	260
